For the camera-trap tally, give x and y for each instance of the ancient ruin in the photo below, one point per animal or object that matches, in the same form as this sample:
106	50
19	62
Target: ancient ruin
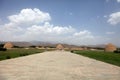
110	47
59	47
8	45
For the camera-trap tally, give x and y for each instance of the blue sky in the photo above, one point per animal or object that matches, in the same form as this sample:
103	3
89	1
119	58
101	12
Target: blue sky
79	22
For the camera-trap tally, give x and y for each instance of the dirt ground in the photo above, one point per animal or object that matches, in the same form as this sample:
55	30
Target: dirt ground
57	65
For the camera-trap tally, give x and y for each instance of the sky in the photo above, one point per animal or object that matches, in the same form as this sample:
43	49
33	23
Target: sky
78	22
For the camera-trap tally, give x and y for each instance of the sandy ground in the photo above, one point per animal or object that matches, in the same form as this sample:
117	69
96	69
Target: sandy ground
57	65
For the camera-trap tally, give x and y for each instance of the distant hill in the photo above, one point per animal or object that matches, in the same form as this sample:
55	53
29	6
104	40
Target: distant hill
20	44
49	44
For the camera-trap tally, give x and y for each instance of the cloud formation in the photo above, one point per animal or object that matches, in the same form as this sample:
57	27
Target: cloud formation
114	18
110	32
34	24
118	1
85	34
34	16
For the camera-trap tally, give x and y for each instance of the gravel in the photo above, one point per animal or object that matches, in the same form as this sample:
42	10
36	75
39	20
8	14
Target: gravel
57	65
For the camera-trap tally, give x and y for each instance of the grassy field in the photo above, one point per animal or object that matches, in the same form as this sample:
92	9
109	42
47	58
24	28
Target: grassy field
109	57
13	53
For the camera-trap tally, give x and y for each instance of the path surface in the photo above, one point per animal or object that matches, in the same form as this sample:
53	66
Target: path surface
57	65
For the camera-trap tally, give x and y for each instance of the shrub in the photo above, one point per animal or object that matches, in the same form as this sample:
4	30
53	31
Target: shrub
72	51
16	47
1	45
8	57
32	46
117	51
3	49
21	54
24	54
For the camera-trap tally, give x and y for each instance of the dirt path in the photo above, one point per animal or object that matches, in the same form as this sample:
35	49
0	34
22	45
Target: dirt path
57	65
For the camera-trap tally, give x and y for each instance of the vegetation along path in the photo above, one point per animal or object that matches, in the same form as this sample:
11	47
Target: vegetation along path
57	65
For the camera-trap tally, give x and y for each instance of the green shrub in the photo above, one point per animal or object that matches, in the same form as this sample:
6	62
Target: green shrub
117	51
8	57
72	51
1	45
3	49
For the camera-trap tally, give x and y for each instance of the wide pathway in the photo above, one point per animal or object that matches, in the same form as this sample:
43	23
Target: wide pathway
57	65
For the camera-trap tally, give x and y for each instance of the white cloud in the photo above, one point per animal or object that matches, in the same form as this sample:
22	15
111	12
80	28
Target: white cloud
84	34
83	37
34	16
39	28
110	32
49	30
114	18
118	1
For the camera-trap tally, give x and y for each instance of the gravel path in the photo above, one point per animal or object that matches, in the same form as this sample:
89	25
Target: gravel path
57	65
